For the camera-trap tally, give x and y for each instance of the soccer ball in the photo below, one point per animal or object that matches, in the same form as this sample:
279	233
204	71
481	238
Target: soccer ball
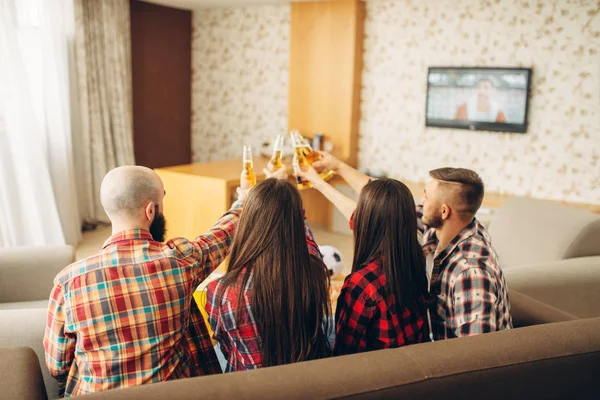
332	259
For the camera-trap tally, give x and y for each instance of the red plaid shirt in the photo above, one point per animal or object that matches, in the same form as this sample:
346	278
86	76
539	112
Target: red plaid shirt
126	316
238	334
367	317
467	284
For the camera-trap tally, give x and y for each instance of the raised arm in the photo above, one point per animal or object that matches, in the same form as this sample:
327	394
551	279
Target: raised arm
213	246
356	179
59	345
345	204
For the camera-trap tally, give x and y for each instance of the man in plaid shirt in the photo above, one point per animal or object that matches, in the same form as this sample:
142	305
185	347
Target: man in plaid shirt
126	316
467	286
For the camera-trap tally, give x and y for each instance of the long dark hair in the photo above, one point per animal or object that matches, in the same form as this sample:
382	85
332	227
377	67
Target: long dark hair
290	287
385	231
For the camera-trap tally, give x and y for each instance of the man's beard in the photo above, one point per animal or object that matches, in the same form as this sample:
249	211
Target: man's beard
434	221
158	227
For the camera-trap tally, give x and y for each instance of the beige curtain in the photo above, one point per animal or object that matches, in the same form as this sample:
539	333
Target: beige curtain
103	136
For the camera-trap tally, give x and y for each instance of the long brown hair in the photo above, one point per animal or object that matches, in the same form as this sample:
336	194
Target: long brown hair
290	287
385	231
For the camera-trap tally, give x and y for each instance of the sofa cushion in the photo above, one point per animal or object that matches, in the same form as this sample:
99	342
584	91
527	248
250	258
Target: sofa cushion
25	327
27	273
20	374
24	305
527	231
527	311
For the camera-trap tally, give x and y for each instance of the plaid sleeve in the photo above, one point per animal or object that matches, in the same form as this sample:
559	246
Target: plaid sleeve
474	302
353	314
313	248
212	307
201	348
59	345
214	245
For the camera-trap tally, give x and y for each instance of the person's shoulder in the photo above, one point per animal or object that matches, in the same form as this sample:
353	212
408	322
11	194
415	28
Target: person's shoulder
226	293
79	268
365	282
476	252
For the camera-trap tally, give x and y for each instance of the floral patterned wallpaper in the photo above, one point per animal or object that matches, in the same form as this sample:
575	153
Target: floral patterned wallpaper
559	157
240	59
240	84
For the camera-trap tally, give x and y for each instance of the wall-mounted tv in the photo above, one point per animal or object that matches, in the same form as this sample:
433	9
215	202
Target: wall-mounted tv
490	99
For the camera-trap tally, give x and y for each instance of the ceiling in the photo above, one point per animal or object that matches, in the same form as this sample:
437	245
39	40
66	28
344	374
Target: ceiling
193	4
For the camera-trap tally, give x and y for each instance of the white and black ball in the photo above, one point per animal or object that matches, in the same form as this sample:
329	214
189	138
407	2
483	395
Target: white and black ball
332	259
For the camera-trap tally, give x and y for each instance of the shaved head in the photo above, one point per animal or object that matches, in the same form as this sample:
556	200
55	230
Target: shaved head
125	191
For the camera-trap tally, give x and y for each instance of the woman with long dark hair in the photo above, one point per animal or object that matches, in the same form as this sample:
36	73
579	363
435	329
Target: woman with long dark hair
382	303
272	306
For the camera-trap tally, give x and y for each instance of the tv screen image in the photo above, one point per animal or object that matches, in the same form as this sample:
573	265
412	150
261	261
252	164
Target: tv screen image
494	99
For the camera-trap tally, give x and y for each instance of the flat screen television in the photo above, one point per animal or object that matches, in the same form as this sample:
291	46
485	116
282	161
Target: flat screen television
490	99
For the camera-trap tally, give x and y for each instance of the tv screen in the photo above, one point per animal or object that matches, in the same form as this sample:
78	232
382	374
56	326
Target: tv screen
492	99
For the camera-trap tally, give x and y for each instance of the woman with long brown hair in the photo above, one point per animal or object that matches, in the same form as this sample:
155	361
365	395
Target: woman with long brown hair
272	306
382	303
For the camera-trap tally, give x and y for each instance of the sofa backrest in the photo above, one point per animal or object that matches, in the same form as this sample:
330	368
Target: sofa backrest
557	360
27	273
527	231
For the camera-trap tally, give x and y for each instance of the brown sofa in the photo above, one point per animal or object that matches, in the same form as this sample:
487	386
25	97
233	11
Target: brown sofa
26	276
20	374
560	360
551	360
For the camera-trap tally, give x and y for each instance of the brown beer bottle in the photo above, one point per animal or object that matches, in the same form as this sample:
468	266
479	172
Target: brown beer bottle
248	177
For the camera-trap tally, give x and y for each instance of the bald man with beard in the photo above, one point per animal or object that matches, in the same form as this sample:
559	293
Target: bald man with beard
126	316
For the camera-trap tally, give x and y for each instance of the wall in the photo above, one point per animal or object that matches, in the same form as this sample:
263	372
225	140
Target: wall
161	76
557	159
240	59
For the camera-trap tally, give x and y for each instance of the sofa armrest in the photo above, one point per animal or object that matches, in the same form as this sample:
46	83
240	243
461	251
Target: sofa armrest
27	273
20	374
25	328
569	285
527	311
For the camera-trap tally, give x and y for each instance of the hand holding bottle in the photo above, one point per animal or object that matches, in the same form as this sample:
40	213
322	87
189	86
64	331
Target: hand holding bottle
326	162
311	175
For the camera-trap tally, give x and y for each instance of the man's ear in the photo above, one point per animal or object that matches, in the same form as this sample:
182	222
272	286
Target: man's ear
446	211
149	211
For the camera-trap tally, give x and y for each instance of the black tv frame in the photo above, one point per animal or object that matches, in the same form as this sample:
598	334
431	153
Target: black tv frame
474	125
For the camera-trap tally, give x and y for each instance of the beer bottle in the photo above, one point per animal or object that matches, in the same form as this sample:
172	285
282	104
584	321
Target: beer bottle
248	177
299	162
275	162
310	155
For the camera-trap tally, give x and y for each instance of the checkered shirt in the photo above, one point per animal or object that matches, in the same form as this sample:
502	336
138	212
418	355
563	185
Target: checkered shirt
368	318
238	334
467	286
126	316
